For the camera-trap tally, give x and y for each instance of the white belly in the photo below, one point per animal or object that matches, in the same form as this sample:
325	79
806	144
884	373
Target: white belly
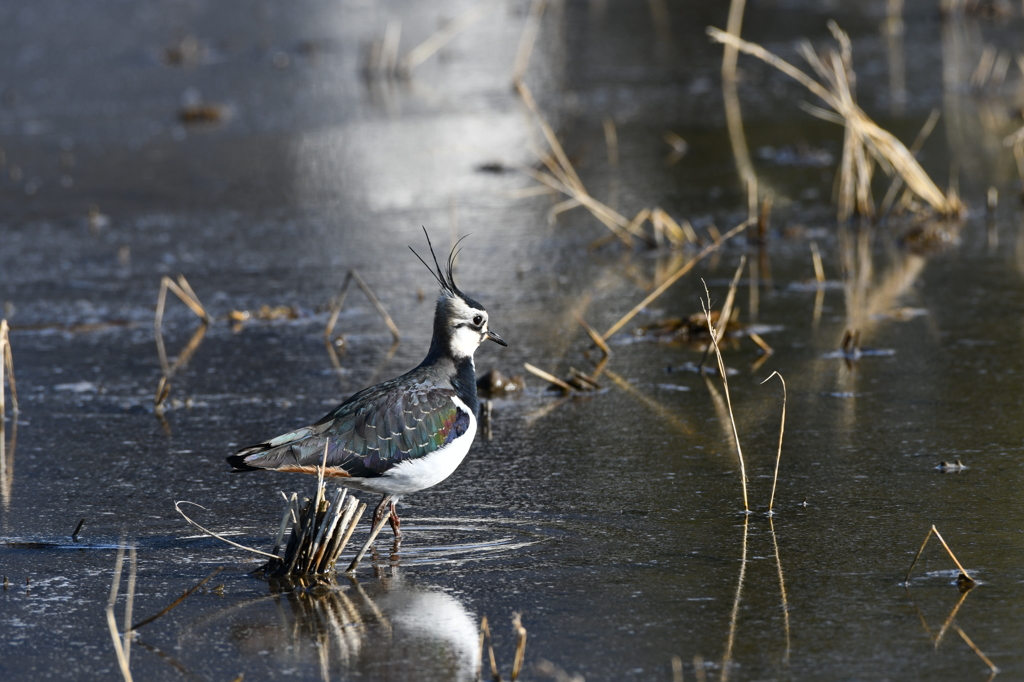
413	475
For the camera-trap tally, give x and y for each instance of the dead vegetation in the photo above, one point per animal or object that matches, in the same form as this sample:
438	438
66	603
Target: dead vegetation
865	143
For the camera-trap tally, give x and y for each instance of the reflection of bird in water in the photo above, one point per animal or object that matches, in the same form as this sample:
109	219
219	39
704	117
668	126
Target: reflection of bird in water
397	632
402	435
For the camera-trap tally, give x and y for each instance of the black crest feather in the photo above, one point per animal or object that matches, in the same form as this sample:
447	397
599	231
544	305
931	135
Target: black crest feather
445	277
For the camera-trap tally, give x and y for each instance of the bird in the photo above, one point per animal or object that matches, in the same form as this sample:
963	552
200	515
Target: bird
405	434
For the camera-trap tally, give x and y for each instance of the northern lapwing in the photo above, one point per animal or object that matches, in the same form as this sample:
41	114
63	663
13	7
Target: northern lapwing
402	435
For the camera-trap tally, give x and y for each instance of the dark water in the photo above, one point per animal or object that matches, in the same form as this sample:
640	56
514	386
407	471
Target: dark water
610	521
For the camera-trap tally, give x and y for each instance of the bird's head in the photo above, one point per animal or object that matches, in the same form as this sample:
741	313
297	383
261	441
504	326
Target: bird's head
460	323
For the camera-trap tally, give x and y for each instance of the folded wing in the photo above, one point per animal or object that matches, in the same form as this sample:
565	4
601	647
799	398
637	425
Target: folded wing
367	435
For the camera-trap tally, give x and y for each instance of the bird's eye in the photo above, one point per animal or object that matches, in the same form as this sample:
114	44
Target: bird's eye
478	320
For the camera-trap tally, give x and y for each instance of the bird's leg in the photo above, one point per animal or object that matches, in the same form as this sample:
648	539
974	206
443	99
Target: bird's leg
396	523
378	513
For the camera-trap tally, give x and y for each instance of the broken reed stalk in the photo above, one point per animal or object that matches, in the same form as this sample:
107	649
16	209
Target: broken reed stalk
728	398
673	278
975	649
594	335
782	429
115	587
339	303
183	291
861	132
718	331
538	372
964	575
369	541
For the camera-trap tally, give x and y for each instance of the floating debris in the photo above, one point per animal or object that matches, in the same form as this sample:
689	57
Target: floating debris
496	384
197	114
954	467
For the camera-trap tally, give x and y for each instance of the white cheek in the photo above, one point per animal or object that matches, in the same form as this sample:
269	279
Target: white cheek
465	342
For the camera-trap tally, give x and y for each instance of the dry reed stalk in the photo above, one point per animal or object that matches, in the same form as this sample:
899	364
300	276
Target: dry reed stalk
1016	141
115	587
728	398
339	303
183	290
439	39
517	662
897	181
594	335
369	542
698	668
819	271
862	133
564	177
177	506
718	331
731	100
551	378
527	39
673	278
611	141
7	363
964	575
782	429
185	595
975	649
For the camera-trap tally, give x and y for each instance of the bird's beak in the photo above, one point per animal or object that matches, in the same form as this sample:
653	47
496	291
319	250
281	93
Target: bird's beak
497	339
